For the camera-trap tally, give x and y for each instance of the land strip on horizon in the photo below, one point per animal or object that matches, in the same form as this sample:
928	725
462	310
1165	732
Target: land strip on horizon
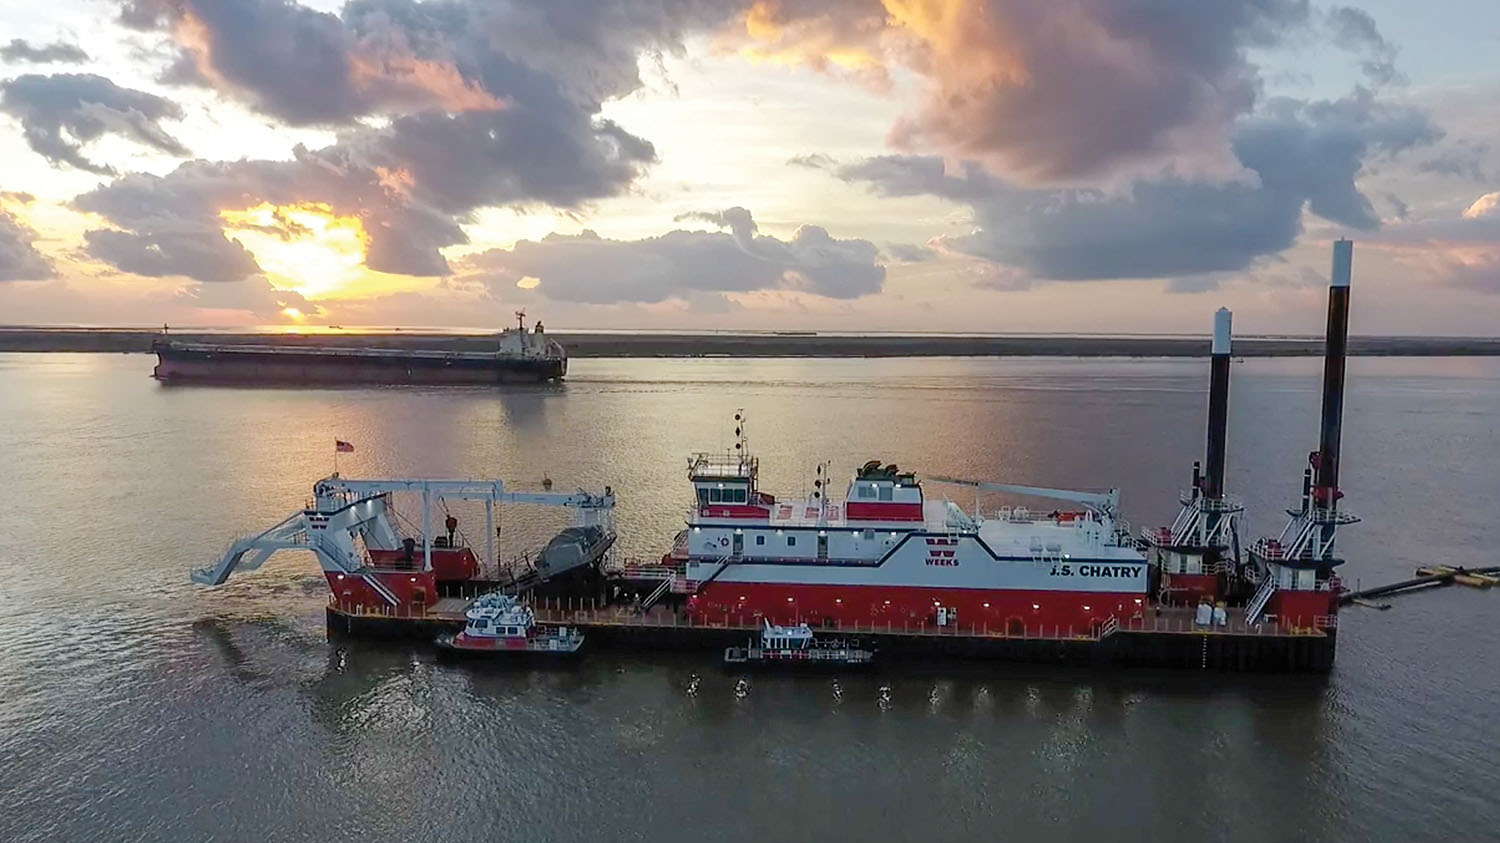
763	345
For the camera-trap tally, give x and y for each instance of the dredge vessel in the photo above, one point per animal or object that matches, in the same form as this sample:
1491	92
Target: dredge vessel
520	356
907	574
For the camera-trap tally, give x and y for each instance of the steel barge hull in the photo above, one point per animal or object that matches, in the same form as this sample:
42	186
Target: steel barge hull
229	363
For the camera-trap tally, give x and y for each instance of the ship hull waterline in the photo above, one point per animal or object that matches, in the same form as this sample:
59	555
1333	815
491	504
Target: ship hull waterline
233	367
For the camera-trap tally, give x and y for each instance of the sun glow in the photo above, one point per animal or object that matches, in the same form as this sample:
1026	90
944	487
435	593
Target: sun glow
305	247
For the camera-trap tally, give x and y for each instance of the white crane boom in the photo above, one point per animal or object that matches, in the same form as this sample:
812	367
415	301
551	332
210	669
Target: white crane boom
1103	502
474	490
344	509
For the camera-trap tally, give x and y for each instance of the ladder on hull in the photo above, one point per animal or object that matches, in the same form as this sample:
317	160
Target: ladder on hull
1257	604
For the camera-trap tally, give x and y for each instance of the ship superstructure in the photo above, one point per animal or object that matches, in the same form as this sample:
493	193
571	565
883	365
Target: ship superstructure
887	553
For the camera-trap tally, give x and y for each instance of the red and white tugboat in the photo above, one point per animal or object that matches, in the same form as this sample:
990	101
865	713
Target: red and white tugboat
887	556
796	646
501	624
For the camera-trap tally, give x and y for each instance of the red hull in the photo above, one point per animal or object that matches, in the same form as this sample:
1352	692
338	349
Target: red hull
449	564
1035	612
1189	589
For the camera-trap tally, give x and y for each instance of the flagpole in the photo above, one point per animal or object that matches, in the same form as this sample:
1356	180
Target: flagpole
335	455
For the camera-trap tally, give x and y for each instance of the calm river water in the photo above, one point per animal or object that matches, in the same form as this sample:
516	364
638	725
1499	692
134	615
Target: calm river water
137	706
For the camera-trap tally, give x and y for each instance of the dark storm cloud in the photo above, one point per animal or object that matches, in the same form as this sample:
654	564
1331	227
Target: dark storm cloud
1050	91
1295	156
60	113
19	51
684	264
19	259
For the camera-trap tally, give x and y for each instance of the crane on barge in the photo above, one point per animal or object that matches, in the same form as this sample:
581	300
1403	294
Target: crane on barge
349	528
1102	503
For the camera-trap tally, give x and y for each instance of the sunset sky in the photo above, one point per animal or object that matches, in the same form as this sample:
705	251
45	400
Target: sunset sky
1113	166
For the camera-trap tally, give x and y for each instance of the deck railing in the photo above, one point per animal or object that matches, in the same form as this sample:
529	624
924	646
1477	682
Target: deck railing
1174	622
585	611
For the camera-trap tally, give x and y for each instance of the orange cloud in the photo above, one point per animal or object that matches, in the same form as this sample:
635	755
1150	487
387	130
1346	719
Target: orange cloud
440	81
1055	91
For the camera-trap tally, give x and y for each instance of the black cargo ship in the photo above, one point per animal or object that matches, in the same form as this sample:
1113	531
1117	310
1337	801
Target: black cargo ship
521	356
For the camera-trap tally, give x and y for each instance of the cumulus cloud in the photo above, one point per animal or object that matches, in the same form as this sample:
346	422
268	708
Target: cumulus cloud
172	224
304	66
19	51
1461	251
1294	156
1354	30
812	161
255	296
686	264
19	259
909	252
1044	92
1462	159
401	56
484	104
60	113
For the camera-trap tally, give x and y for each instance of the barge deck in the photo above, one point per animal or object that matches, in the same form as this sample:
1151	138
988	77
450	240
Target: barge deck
1169	638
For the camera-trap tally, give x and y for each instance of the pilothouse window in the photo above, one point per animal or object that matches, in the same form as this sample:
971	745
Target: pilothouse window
724	495
886	492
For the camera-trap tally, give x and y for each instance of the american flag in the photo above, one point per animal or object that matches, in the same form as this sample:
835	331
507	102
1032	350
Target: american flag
342	447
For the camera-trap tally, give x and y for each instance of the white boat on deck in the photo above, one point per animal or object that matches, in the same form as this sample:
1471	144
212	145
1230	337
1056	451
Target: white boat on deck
499	623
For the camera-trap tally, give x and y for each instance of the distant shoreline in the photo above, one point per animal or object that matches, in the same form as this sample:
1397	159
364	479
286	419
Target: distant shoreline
767	345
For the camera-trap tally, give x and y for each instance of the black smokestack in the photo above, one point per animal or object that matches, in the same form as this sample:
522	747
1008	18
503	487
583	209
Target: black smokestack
1218	407
1326	483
